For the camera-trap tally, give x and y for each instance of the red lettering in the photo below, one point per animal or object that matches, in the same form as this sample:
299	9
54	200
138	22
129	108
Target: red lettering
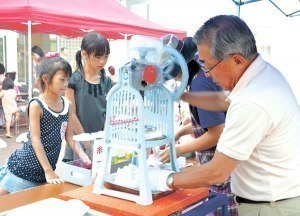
114	121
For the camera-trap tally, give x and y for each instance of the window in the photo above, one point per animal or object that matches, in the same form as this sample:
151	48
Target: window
2	51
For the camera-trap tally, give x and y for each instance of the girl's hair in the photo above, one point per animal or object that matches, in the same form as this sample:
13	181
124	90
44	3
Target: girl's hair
38	50
50	66
8	83
92	43
11	75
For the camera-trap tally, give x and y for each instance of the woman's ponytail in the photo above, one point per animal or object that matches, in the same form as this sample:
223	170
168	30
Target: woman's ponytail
78	61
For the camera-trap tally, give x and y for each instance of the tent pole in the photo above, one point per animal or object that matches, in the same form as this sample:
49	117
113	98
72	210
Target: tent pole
239	9
127	45
29	62
25	59
238	13
57	44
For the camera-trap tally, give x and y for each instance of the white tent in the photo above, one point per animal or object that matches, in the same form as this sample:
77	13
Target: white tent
291	9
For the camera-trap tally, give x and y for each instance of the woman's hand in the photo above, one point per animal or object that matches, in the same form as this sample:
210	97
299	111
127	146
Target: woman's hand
177	136
84	157
164	155
52	178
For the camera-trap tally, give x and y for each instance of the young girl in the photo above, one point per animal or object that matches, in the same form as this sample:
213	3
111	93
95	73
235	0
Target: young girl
9	104
89	86
35	162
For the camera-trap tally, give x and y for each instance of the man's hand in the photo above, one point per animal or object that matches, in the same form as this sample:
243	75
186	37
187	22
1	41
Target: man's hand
158	179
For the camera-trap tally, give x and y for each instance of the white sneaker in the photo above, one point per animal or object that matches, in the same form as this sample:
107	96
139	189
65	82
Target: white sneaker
3	144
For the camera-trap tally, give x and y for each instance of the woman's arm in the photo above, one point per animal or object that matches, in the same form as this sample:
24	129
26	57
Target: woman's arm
211	101
70	95
70	129
35	115
206	141
184	130
69	139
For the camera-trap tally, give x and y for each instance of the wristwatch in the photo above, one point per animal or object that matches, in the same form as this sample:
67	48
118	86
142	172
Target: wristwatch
170	182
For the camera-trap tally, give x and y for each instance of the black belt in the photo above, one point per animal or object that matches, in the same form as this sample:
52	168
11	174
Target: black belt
243	200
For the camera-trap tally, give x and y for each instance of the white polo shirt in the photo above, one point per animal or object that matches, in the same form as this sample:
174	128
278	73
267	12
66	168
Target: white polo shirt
262	131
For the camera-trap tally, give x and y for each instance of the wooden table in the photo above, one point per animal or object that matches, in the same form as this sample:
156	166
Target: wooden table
174	202
21	198
166	205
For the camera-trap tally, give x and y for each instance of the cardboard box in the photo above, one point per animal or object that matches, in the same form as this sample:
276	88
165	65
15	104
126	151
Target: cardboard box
78	172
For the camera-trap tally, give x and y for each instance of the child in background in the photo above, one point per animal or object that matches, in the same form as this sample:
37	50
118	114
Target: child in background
35	162
2	77
89	86
12	75
9	104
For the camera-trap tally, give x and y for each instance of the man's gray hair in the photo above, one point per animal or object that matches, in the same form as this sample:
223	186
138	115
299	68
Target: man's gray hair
227	34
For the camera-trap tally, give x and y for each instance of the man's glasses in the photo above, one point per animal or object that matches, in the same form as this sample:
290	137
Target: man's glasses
207	70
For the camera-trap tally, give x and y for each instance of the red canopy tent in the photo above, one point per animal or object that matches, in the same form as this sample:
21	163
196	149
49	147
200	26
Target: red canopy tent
75	18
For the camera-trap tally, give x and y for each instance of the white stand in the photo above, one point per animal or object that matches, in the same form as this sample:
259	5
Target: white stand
127	115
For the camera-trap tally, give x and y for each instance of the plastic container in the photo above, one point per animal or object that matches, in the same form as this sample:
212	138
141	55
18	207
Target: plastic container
146	48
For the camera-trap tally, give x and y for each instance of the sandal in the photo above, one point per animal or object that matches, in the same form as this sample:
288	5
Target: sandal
9	136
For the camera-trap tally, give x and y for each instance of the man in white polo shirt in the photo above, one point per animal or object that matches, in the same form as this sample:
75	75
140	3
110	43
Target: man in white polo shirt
260	144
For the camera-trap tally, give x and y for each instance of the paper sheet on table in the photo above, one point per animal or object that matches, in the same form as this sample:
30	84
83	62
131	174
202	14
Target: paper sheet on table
52	206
